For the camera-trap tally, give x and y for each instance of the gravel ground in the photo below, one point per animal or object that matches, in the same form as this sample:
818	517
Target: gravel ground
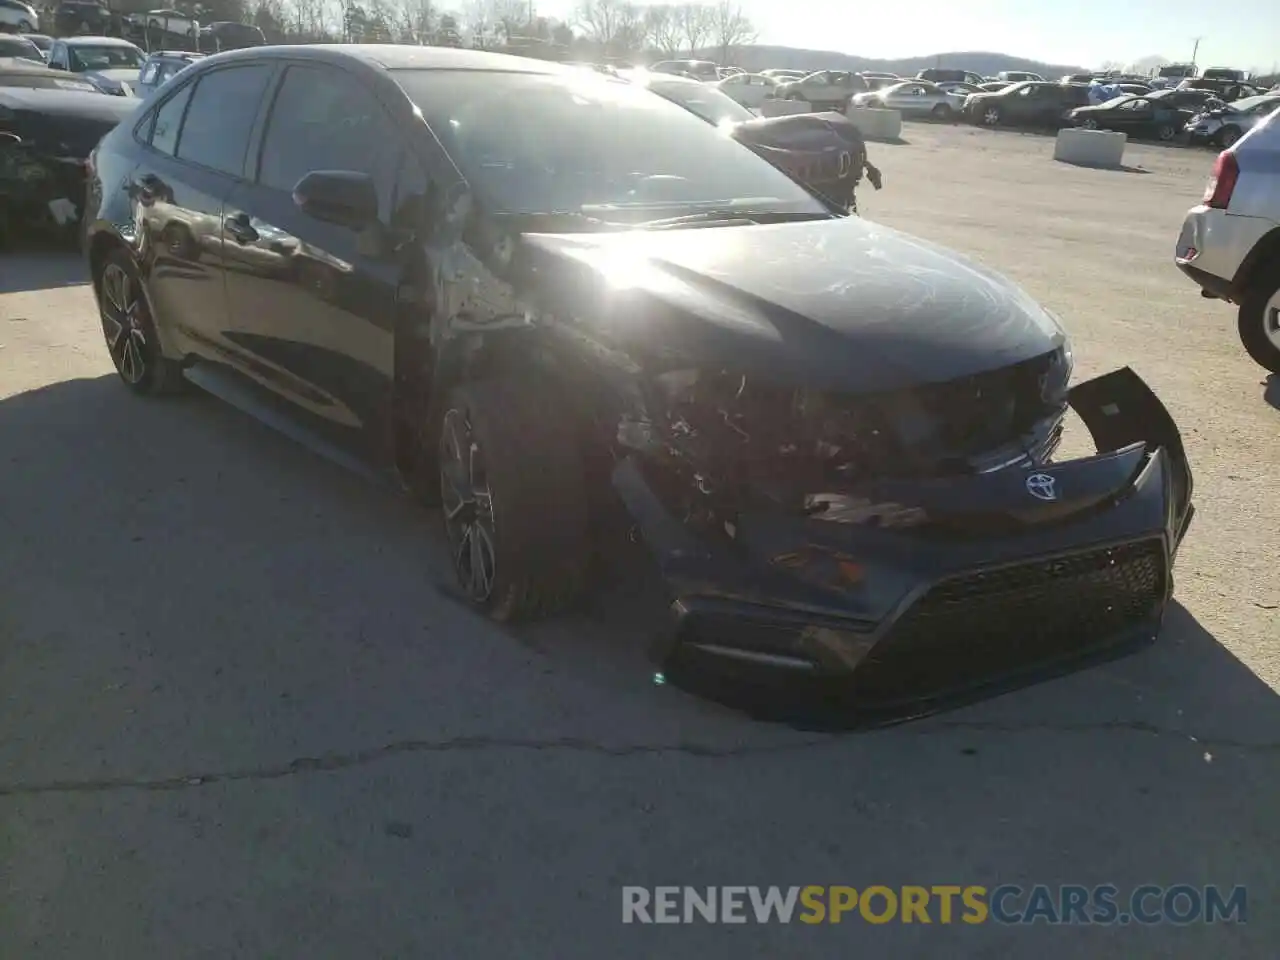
241	721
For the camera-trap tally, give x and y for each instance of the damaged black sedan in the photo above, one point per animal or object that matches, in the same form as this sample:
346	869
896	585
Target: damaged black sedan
544	295
49	123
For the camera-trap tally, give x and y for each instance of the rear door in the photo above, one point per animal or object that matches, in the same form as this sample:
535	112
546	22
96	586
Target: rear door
196	143
314	302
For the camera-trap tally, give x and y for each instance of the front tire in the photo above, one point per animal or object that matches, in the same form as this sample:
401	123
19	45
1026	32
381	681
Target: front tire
941	113
1166	133
130	330
1259	319
1228	136
513	497
991	116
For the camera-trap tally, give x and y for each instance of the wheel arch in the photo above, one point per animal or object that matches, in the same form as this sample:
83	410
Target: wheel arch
1264	253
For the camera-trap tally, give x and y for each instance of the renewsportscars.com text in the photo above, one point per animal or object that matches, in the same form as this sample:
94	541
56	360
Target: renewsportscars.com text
944	904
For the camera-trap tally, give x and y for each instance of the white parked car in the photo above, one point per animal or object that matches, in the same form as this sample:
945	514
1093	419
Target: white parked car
164	21
18	16
915	98
749	89
1230	242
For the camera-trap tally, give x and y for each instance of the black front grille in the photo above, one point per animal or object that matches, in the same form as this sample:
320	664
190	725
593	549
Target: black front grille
984	626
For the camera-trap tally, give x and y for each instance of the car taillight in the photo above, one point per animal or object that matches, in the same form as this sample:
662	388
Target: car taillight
1222	182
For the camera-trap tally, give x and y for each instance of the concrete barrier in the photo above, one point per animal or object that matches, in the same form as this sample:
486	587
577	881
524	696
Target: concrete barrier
1090	148
784	108
876	124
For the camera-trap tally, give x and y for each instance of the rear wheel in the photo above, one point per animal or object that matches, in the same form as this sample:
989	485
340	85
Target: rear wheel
1259	319
991	116
1090	124
941	113
1166	132
130	330
513	497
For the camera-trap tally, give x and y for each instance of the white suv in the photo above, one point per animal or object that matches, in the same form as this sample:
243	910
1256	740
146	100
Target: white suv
1230	243
18	16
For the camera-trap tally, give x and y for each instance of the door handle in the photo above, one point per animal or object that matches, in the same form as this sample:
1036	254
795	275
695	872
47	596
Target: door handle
240	229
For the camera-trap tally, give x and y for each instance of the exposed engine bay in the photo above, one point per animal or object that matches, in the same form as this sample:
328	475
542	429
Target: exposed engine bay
742	442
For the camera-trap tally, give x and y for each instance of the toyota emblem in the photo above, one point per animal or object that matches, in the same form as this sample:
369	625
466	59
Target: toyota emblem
1042	486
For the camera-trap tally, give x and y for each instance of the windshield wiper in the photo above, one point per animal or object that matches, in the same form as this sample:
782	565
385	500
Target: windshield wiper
731	215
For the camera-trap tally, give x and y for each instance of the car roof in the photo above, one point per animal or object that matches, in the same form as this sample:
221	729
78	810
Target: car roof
388	56
174	55
96	42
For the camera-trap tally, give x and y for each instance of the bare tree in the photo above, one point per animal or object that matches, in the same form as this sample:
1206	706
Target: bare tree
662	29
730	28
510	17
696	23
629	36
598	20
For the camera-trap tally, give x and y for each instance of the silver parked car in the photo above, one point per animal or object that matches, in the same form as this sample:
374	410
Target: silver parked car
915	98
1230	242
1225	123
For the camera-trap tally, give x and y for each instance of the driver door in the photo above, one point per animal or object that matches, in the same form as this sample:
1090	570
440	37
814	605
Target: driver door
313	303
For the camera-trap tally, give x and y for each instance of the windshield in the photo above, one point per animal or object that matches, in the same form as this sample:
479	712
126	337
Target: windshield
20	48
707	102
112	57
586	144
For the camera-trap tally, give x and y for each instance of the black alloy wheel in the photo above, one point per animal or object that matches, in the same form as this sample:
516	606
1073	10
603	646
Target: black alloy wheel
130	333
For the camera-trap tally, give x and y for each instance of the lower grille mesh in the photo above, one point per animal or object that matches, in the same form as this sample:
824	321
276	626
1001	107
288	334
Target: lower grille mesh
980	626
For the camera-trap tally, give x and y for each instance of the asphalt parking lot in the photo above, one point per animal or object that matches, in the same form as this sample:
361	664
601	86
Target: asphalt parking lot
240	720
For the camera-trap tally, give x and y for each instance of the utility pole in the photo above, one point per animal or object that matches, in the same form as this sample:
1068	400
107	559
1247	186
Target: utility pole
1195	50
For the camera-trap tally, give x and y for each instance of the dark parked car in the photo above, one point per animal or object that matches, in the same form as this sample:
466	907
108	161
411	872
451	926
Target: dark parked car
47	129
1226	90
228	35
1027	104
74	17
1160	115
539	296
159	67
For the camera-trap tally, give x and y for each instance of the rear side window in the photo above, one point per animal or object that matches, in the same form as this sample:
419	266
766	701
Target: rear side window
221	115
164	135
322	119
149	73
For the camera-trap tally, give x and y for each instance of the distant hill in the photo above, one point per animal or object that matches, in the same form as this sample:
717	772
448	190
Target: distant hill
762	57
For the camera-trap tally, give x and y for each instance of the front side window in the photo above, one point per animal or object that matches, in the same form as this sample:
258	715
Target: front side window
221	115
149	74
531	144
323	120
164	133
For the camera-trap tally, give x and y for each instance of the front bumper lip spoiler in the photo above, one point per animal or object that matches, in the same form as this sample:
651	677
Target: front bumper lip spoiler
1141	492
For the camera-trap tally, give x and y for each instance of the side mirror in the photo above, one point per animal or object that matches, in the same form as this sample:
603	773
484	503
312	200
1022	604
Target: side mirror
344	197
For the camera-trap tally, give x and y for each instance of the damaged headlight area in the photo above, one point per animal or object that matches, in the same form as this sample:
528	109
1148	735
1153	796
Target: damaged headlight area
738	441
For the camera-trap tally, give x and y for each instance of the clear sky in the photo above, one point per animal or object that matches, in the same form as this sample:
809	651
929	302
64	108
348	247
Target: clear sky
1236	33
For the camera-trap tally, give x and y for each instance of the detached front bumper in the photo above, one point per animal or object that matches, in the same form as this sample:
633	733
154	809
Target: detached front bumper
1012	574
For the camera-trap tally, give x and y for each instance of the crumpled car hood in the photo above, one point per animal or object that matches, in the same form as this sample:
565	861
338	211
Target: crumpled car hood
844	304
